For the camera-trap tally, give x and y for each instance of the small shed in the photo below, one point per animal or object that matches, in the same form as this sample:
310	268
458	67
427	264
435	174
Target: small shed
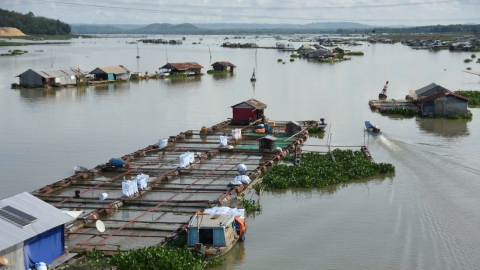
111	73
292	127
187	68
31	230
444	103
246	111
51	77
267	143
221	66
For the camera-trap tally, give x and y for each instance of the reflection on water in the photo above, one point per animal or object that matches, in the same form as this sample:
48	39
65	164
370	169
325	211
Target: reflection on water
444	127
35	94
222	76
190	80
236	254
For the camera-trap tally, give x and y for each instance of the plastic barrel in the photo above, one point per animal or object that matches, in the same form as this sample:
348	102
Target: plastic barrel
41	266
118	162
267	126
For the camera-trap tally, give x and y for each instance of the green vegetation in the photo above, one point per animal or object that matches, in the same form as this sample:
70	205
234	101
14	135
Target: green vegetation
354	53
318	170
251	206
29	24
174	255
212	71
292	60
460	116
404	111
279	60
13	53
315	129
474	96
283	63
469	68
194	43
467	60
473	56
478	60
294	55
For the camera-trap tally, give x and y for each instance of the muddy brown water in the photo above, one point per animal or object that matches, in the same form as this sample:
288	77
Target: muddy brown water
425	216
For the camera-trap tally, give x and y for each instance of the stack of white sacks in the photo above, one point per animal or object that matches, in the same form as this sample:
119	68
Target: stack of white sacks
237	134
186	159
224	210
130	188
142	180
162	142
223	141
240	179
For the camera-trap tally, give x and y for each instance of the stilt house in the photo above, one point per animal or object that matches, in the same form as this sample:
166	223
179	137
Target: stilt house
221	66
187	68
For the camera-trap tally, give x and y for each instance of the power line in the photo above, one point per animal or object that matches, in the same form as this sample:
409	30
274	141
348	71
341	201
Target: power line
209	14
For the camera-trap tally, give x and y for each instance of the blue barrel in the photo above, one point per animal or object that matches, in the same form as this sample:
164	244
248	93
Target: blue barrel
118	162
267	126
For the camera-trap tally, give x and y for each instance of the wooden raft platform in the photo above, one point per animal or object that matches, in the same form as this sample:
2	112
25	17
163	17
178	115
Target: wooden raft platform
172	195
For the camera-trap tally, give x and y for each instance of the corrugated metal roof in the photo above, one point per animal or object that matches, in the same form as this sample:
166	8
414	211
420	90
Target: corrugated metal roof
254	103
224	63
425	88
443	94
57	72
48	217
113	69
183	66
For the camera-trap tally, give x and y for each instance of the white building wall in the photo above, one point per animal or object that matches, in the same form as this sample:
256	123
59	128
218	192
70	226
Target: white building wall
15	258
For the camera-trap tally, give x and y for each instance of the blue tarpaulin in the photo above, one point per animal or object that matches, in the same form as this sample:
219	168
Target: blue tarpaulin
44	247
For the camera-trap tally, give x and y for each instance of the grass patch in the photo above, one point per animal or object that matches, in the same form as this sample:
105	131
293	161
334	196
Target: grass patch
279	60
14	52
474	96
403	111
294	55
468	60
212	71
354	53
319	170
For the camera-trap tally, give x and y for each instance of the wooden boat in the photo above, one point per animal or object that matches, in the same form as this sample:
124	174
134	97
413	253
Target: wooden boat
374	130
366	153
214	235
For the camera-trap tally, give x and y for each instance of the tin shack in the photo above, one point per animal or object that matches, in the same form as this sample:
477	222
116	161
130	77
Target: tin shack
111	73
187	68
444	103
51	77
223	66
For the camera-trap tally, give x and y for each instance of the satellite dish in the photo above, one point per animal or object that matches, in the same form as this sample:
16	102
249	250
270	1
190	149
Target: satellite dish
100	226
3	261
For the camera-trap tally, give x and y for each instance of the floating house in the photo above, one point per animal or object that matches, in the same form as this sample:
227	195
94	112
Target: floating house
221	66
187	68
320	52
51	77
429	90
444	103
111	73
246	111
32	231
267	143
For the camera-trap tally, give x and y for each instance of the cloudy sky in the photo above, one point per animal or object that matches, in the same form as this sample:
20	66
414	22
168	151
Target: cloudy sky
392	12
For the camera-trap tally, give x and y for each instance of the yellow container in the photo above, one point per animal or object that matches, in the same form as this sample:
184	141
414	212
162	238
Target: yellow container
272	123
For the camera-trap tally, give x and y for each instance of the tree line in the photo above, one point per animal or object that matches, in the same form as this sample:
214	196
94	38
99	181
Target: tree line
29	24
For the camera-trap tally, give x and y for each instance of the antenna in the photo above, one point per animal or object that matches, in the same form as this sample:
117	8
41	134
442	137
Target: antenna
52	59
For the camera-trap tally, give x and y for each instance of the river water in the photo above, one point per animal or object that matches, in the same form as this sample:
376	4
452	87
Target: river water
425	216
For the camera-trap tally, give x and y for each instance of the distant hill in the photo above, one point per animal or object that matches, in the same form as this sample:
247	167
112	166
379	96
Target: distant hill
154	28
318	25
29	24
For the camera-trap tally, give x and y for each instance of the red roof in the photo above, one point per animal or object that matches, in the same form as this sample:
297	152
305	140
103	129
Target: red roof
183	66
443	94
253	103
223	63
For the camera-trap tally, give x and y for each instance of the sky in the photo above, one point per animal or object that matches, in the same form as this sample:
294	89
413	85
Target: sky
378	13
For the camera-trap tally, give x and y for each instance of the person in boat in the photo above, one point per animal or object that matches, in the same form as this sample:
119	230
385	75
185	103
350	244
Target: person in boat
384	91
253	75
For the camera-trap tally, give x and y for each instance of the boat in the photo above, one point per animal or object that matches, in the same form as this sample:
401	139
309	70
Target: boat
374	130
322	126
213	234
366	153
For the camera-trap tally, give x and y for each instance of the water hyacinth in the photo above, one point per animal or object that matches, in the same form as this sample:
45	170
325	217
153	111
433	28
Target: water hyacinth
319	170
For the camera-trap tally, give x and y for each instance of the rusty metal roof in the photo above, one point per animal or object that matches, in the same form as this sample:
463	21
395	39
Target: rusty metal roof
183	66
253	103
443	94
223	63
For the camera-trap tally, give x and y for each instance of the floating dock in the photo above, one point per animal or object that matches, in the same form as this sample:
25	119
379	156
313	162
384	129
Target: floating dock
386	104
172	194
